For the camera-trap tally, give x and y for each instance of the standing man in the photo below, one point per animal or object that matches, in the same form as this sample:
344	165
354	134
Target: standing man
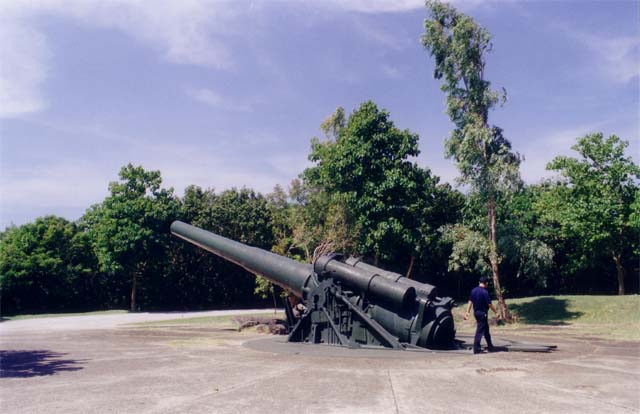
481	302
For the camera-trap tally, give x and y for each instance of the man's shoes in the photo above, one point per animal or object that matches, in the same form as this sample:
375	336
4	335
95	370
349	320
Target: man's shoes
478	351
493	349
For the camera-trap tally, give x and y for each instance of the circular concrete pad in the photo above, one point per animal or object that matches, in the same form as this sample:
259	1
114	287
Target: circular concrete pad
279	345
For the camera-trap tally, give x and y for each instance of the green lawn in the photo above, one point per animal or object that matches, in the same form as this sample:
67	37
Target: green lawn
59	315
606	317
217	321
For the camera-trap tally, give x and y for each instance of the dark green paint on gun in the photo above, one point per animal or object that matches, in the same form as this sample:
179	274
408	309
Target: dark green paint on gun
346	302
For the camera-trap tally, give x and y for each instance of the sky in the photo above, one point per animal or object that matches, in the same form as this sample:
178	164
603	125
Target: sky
226	94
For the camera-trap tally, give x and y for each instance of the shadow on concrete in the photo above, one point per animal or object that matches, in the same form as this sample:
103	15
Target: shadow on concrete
25	364
545	311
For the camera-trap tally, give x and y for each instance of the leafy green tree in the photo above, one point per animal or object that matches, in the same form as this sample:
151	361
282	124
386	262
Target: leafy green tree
130	228
528	259
372	188
281	213
481	152
321	222
334	124
196	204
191	281
43	266
524	240
442	208
280	208
595	203
242	215
634	219
470	249
206	280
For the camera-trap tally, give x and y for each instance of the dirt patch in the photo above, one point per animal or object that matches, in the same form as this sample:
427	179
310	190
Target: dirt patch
271	325
503	372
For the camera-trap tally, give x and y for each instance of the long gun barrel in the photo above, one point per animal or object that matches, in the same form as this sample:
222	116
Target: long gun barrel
282	271
347	302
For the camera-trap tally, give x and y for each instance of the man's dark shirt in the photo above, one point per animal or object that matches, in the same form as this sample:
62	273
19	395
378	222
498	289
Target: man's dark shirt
480	299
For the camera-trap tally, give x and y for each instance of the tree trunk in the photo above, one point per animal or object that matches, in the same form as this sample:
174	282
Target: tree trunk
493	258
618	260
134	284
413	259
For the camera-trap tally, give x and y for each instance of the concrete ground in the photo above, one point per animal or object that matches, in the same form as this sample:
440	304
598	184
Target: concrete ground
98	364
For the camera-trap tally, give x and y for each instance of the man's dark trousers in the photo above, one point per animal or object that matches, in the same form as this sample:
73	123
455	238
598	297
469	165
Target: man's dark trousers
482	329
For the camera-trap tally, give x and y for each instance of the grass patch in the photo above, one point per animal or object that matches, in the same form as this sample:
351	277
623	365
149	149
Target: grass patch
606	317
60	315
216	321
558	310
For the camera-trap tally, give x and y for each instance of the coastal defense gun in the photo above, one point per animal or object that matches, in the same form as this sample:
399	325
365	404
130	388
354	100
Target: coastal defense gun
345	302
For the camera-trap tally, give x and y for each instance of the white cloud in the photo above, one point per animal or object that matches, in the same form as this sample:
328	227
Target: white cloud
186	165
23	62
371	6
58	184
391	72
389	6
539	152
206	96
396	40
212	98
187	32
616	57
67	184
619	57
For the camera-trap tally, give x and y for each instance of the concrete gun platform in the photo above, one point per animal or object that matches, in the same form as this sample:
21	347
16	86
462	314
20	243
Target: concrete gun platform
101	364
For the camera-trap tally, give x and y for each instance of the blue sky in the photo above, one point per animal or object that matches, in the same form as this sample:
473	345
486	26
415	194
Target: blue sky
228	94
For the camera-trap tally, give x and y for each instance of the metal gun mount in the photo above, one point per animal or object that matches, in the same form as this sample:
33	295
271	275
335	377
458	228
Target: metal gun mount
346	302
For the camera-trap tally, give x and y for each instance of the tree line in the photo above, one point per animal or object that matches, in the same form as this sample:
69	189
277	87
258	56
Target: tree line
364	195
